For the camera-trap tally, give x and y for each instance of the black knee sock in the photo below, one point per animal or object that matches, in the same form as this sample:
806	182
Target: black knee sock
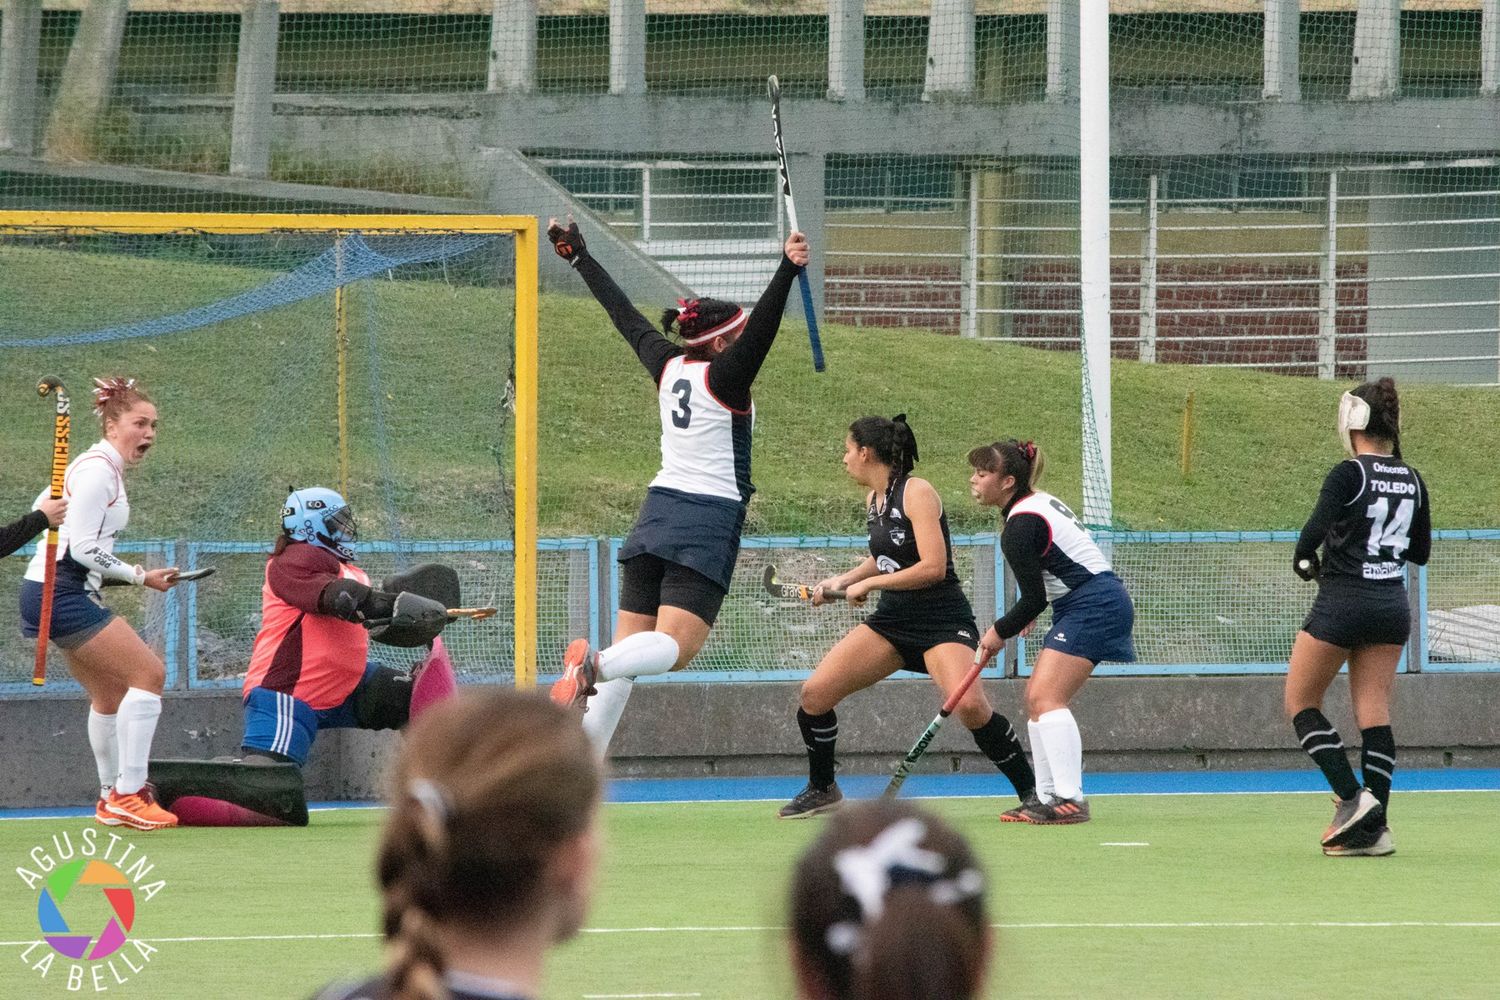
820	733
997	741
1322	743
1378	761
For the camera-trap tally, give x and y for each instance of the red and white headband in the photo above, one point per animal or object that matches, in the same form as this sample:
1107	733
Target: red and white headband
733	324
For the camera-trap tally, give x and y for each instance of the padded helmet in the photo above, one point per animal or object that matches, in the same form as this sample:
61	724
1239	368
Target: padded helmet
320	517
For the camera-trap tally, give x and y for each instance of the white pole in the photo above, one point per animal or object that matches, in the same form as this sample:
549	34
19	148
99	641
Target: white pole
1148	277
1093	247
971	262
1328	285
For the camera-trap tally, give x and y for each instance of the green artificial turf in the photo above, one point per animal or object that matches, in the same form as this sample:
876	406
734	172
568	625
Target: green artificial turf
1216	896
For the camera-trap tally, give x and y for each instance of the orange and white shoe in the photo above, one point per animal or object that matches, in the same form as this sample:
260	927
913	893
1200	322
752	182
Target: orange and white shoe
139	810
103	815
580	671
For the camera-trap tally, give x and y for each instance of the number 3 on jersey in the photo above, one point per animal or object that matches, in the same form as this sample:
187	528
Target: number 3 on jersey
1394	533
683	415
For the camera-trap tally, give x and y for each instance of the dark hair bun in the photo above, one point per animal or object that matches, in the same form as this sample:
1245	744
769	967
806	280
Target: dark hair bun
668	317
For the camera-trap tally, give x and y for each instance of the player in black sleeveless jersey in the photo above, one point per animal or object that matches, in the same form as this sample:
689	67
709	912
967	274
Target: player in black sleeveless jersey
1372	517
677	562
1054	561
922	622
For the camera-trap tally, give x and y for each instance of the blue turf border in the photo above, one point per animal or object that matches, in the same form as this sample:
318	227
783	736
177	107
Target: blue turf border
646	790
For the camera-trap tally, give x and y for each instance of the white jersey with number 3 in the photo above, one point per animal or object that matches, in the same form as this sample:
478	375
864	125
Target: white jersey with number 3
705	445
1071	558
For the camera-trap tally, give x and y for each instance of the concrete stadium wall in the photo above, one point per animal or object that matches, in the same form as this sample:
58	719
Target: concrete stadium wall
673	730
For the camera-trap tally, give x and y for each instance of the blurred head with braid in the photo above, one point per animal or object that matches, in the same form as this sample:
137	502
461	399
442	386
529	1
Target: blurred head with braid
489	852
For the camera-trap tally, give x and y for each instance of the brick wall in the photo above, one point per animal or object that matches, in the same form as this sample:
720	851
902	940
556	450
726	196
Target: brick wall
1192	325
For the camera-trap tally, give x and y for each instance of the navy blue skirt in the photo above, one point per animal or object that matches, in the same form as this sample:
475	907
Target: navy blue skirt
1096	622
699	532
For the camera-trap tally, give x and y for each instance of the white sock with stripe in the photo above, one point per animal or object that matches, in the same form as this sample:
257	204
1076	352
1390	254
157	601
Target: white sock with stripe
106	745
639	655
1045	788
605	709
1059	732
136	724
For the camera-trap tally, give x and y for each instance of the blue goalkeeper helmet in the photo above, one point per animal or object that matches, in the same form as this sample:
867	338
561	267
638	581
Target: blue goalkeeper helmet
320	517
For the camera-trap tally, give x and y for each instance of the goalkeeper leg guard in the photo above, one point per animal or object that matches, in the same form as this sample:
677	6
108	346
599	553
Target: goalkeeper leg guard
434	680
253	793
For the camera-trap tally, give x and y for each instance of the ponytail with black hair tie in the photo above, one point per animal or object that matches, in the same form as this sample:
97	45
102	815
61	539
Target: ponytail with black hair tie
909	437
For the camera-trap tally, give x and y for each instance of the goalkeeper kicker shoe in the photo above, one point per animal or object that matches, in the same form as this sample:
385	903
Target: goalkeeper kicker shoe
580	672
811	801
1348	815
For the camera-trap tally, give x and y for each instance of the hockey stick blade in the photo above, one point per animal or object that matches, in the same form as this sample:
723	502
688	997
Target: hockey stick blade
193	575
903	770
793	591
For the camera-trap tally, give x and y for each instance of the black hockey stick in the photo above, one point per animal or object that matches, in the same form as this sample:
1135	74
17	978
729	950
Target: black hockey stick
774	87
793	591
903	770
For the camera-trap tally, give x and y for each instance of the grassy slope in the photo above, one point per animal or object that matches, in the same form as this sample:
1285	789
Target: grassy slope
249	409
735	872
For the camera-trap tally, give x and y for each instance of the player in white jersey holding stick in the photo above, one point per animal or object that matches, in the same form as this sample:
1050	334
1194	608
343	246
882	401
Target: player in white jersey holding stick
679	558
123	677
1054	562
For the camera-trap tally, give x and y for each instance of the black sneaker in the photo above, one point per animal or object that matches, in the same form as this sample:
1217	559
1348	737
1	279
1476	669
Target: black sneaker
1349	815
811	801
1029	806
1058	812
1369	840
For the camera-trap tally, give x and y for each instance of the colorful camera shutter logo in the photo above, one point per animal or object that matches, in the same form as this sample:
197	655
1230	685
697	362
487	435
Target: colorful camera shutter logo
77	883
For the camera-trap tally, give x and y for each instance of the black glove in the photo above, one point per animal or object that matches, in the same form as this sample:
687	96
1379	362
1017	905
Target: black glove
567	242
1306	566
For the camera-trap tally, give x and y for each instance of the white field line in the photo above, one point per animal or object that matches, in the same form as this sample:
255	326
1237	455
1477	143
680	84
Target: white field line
620	996
765	929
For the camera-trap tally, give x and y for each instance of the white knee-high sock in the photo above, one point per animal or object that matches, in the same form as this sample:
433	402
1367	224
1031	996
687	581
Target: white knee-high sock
137	717
638	655
1045	788
106	745
1059	731
605	709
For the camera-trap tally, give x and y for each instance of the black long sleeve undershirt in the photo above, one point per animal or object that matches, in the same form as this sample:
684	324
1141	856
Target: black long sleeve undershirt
18	533
731	374
649	344
1024	540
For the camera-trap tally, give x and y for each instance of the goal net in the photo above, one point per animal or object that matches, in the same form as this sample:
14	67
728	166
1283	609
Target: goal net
389	358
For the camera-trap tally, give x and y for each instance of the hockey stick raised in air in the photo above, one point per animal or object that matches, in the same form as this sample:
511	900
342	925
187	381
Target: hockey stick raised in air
774	87
794	591
903	770
61	425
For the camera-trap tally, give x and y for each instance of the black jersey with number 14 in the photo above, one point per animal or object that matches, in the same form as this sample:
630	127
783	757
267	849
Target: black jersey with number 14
1372	517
